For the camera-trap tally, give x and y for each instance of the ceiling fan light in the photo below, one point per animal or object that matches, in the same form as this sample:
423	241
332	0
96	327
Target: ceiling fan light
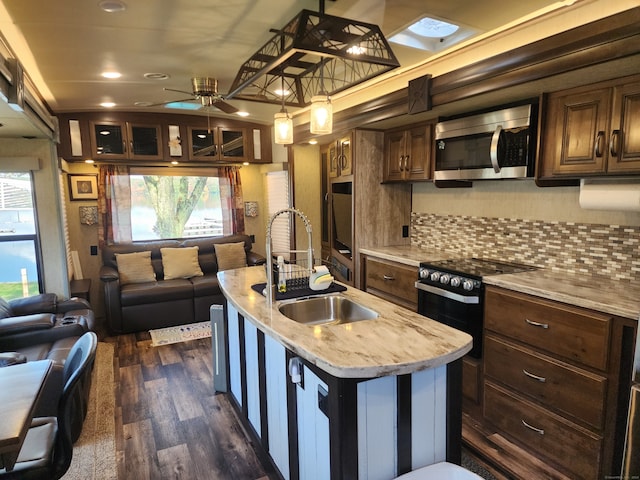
321	122
283	128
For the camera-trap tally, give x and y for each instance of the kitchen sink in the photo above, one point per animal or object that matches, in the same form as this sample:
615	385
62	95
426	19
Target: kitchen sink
326	310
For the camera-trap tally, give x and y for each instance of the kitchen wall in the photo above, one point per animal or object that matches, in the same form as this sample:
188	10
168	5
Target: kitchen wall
518	221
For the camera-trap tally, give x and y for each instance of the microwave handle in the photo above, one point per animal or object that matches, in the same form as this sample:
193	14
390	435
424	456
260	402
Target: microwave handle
493	151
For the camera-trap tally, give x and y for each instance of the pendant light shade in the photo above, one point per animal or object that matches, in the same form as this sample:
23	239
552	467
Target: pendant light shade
321	121
283	128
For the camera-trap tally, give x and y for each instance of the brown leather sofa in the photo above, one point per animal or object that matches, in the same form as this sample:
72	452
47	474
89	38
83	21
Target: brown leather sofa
135	307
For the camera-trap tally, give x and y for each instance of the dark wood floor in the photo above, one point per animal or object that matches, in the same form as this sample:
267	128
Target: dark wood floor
169	422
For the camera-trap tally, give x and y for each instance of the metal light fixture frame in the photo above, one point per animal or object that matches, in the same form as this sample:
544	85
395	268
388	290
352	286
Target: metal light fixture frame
348	52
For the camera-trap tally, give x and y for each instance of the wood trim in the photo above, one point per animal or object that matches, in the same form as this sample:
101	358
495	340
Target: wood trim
454	411
243	365
262	382
404	423
594	43
343	428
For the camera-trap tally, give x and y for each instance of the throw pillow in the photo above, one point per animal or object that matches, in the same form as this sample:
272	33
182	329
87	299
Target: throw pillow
230	255
181	262
135	267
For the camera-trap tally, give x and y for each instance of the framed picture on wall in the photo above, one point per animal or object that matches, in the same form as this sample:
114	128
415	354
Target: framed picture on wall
83	187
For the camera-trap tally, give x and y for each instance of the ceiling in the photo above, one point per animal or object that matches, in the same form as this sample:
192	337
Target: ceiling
64	46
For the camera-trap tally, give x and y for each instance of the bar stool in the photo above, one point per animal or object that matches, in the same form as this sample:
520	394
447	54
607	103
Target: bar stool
440	471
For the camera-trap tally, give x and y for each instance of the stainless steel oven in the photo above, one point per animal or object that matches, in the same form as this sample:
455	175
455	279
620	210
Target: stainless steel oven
452	292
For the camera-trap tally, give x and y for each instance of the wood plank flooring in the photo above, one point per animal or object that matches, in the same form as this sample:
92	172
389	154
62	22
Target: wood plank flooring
169	422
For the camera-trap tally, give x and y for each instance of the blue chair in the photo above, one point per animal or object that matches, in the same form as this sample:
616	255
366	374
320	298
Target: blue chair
48	446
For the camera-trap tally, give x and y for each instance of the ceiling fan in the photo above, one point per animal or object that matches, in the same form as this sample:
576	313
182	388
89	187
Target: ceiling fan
205	89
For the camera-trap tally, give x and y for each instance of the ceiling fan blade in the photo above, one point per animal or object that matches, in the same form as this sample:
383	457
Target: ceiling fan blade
179	91
190	99
224	106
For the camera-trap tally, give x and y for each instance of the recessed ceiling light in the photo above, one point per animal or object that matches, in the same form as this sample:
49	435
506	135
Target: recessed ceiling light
112	6
107	104
156	76
111	74
242	113
313	141
89	161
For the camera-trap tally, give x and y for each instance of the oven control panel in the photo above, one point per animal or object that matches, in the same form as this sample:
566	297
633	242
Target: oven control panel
445	279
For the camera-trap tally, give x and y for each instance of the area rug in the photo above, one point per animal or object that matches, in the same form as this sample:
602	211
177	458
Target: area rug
180	333
94	453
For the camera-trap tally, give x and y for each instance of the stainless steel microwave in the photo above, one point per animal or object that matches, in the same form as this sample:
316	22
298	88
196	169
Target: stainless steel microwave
492	145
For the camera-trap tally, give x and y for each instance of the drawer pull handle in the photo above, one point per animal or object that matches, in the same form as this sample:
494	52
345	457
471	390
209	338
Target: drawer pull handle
531	427
536	324
388	277
535	377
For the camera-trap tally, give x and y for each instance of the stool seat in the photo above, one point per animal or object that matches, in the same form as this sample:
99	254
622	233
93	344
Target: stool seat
440	471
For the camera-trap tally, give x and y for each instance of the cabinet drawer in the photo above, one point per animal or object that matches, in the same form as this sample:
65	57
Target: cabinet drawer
563	330
542	432
392	278
557	385
471	378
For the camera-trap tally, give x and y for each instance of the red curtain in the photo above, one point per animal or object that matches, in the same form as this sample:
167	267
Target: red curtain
114	205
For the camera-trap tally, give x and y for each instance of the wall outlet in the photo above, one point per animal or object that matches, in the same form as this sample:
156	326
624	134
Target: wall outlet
93	249
405	231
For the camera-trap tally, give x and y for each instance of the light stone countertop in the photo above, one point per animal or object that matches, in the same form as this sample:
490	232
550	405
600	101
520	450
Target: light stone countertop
397	342
614	297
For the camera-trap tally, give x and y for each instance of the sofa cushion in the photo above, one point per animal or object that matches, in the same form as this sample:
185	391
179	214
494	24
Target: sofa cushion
135	267
205	286
230	255
154	292
180	262
5	309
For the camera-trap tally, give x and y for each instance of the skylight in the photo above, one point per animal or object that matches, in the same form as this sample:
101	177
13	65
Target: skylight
432	34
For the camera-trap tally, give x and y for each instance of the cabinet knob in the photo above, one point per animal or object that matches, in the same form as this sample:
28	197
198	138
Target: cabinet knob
388	277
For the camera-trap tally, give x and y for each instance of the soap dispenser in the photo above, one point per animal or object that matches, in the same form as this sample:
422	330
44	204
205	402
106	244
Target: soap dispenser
282	279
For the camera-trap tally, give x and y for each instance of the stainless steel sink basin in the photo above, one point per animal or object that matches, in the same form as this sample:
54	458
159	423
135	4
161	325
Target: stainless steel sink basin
326	310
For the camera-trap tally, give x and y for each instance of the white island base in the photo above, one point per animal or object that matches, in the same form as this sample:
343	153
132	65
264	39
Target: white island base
325	427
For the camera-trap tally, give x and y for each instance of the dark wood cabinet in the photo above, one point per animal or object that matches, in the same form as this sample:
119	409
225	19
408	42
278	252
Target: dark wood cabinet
341	158
592	131
407	154
392	281
550	380
218	144
156	139
125	141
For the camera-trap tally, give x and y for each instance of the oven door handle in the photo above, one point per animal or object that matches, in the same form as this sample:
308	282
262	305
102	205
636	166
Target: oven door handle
446	293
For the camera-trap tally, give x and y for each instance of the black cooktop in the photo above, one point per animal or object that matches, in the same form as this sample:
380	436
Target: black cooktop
476	267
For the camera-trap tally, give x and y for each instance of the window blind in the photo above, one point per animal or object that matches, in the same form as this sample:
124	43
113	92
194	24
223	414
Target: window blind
277	199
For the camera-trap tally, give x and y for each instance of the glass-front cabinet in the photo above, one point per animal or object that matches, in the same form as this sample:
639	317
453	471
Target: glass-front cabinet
218	143
124	140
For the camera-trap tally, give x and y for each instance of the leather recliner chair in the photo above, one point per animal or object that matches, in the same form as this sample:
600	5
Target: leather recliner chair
38	328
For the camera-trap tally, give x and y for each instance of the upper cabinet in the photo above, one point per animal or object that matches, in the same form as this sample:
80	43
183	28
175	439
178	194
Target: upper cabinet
124	140
340	158
592	131
219	144
156	139
407	154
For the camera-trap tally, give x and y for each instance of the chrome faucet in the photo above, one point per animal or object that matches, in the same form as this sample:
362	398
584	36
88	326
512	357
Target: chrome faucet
271	288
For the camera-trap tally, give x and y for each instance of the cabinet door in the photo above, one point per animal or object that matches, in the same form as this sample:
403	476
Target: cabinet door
624	142
345	159
576	133
144	142
333	160
202	144
394	156
313	429
276	397
108	140
233	144
418	144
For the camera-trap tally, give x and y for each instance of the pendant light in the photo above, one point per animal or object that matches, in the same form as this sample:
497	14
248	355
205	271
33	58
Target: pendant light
321	121
282	123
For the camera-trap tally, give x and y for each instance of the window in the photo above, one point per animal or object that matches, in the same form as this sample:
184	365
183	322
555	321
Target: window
170	206
19	255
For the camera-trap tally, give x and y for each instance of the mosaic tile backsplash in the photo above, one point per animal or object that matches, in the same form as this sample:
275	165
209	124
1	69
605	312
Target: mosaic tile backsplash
611	251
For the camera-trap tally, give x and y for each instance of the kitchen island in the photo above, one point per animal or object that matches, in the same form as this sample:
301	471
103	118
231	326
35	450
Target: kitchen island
369	399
